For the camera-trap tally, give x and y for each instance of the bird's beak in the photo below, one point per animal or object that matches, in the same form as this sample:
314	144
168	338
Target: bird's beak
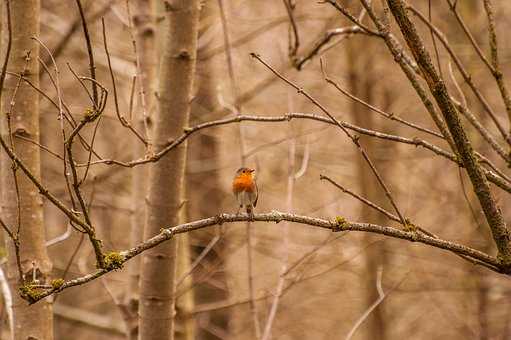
252	170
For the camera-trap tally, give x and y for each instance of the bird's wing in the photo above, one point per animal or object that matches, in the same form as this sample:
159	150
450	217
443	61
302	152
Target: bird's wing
256	194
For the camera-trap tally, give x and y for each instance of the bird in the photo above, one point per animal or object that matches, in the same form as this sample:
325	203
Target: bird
244	187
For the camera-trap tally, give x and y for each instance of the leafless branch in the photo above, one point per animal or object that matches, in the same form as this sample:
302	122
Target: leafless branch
335	225
121	118
466	76
92	66
492	211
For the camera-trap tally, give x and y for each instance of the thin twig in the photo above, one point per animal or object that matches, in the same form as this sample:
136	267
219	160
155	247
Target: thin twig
294	43
354	139
319	46
64	41
305	160
466	76
411	71
381	296
92	66
408	225
199	258
62	237
435	47
121	118
322	45
494	178
350	17
452	6
494	51
140	76
8	47
390	116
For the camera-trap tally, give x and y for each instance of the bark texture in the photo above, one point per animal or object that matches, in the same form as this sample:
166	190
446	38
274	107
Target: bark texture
166	179
30	322
437	87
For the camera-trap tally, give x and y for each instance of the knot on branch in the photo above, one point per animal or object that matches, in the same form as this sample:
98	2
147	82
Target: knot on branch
21	131
168	232
219	219
278	216
398	56
356	140
184	54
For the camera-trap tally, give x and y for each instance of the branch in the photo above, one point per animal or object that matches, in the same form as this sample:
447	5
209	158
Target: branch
492	211
116	260
294	44
124	122
410	69
318	47
492	177
381	296
373	108
466	76
92	66
352	18
494	49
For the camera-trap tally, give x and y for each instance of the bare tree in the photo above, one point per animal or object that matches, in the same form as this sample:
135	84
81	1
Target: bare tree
145	63
166	181
21	204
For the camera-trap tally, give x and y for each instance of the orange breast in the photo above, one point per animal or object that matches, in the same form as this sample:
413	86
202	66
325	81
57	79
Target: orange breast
243	183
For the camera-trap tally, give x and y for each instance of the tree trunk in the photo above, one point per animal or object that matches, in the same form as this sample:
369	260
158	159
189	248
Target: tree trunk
205	190
177	68
29	321
362	86
143	19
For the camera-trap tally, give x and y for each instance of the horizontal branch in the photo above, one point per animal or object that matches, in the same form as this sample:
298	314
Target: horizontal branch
116	260
492	177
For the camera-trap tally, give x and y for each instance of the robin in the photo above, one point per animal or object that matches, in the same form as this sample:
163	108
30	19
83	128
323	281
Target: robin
244	187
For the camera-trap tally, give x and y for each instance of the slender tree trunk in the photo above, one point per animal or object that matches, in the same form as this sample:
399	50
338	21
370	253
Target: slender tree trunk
143	20
205	191
30	322
186	302
166	179
362	86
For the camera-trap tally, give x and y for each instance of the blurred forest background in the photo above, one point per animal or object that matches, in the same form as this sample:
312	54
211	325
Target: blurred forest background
253	280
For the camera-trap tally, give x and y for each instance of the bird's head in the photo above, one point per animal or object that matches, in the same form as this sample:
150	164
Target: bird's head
245	172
